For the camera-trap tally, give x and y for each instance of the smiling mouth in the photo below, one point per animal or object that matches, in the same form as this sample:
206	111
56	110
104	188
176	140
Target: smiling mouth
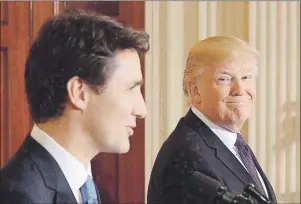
237	102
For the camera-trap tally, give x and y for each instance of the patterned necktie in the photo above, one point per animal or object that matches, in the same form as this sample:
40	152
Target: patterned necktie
89	192
246	157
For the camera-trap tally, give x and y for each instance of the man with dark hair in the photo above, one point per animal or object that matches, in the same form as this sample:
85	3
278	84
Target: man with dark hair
82	79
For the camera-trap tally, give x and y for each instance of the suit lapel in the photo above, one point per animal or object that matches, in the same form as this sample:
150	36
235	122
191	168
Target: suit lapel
231	162
98	196
219	149
53	176
64	195
269	187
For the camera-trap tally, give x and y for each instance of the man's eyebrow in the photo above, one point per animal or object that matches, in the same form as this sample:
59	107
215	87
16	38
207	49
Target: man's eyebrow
138	83
224	72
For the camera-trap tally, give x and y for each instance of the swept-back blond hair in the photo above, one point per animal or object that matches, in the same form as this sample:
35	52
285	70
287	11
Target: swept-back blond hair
212	51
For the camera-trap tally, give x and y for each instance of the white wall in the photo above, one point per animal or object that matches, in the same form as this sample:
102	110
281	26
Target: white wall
273	28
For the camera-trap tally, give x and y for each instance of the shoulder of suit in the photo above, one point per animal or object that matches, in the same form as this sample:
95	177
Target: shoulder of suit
20	167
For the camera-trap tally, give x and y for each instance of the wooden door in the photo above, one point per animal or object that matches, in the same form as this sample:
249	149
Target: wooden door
120	178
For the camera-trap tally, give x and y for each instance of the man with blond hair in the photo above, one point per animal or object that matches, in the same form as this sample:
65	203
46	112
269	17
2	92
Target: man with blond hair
219	82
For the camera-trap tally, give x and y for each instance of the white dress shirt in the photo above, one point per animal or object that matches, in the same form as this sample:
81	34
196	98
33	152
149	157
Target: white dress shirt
74	171
227	137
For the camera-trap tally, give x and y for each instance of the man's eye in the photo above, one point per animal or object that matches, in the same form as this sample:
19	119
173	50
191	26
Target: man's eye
133	88
224	80
247	77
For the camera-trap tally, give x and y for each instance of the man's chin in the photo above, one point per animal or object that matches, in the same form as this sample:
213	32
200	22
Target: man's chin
123	147
234	124
124	150
116	148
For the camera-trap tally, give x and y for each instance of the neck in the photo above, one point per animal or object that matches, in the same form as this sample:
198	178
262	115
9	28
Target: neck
232	127
71	137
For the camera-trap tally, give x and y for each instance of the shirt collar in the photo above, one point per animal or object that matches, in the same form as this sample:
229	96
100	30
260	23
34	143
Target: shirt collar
74	171
226	136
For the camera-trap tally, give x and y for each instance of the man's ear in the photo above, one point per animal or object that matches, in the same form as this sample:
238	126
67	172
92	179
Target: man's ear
194	95
78	93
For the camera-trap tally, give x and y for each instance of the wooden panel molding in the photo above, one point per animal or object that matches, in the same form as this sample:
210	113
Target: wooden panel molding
109	8
4	103
15	119
4	12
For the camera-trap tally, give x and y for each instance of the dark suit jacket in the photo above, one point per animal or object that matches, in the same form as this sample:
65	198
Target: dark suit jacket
192	146
33	176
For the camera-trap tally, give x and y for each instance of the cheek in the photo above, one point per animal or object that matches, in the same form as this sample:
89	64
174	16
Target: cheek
123	106
251	89
252	93
110	107
220	93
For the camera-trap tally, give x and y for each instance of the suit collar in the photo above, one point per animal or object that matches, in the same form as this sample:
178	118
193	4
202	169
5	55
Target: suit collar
75	172
218	147
52	174
226	136
224	154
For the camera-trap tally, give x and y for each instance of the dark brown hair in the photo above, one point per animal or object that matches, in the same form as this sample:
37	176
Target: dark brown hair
74	44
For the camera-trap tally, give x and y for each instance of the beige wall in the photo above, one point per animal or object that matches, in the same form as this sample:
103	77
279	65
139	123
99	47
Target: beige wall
271	27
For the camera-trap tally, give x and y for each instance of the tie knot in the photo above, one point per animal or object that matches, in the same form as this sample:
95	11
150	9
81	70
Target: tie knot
88	192
89	180
240	142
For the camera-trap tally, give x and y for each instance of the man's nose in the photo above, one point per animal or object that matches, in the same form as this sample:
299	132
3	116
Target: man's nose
140	108
238	88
